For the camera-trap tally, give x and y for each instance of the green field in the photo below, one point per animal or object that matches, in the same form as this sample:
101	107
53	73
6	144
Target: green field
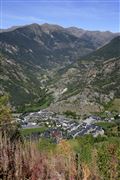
111	128
114	105
29	131
106	125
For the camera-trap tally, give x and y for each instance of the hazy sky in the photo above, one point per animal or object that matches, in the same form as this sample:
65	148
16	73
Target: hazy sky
87	14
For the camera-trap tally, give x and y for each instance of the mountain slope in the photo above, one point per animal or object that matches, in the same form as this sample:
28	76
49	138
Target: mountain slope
89	85
110	50
25	86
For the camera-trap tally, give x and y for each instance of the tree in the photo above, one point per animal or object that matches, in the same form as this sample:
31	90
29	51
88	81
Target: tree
5	112
7	124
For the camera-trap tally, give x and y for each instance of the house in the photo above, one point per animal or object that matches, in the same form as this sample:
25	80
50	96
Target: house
54	134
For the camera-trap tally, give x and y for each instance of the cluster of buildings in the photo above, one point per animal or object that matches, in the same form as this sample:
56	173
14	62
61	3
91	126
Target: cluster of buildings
59	127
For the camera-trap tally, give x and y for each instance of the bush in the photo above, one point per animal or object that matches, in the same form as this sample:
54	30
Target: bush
71	114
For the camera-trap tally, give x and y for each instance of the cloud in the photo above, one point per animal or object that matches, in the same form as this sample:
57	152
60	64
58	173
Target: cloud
23	18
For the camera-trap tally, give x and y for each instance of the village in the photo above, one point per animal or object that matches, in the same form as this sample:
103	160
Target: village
60	127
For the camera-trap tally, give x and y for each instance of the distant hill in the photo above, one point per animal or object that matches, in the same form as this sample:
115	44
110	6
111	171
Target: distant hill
9	29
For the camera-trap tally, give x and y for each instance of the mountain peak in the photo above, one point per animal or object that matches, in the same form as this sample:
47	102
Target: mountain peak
51	27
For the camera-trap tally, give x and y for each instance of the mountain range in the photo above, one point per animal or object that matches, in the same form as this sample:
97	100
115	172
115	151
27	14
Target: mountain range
63	68
47	45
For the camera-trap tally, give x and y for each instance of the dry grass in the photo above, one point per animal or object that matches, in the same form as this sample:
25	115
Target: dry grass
20	161
23	161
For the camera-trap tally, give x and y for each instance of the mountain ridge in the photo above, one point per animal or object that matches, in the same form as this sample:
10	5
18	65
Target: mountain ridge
49	45
57	25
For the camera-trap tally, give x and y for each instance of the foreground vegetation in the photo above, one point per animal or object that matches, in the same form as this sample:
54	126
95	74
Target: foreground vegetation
83	158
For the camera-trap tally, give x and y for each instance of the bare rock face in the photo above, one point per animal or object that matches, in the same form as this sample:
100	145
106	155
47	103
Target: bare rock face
80	108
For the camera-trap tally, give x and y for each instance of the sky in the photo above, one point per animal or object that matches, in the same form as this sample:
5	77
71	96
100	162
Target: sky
87	14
